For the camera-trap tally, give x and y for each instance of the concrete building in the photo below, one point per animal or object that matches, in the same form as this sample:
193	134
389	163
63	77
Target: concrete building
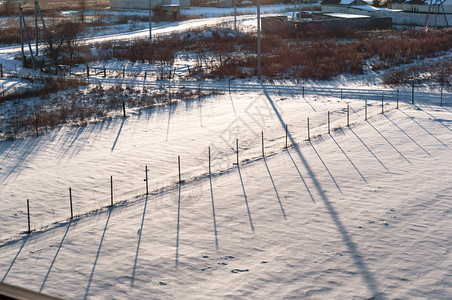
399	17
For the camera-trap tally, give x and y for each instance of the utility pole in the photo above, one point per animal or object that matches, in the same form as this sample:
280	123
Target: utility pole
258	39
21	37
235	14
36	28
150	20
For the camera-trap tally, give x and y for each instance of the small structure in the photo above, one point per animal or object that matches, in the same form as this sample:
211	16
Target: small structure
399	17
144	4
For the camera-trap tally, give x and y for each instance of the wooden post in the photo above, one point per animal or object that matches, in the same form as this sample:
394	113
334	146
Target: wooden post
263	152
382	104
309	135
365	110
329	125
237	147
287	133
111	190
210	169
124	109
70	202
28	214
348	115
147	186
178	162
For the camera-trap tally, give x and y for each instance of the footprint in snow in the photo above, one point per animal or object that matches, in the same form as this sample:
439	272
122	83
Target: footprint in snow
239	270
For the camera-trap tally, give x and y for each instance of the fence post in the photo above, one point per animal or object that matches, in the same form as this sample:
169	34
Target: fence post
441	103
263	153
302	91
229	86
329	125
365	110
123	71
111	190
210	169
28	214
87	70
124	109
145	74
237	148
397	99
287	133
70	202
341	94
178	163
382	104
105	72
309	135
147	186
36	125
1	70
348	115
412	92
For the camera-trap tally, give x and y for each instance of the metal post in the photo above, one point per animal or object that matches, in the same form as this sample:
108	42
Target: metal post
70	202
365	110
302	91
258	39
1	70
111	190
382	104
237	147
341	94
147	186
124	109
263	152
287	133
397	99
210	169
348	115
309	135
178	163
329	126
28	214
441	103
123	71
412	92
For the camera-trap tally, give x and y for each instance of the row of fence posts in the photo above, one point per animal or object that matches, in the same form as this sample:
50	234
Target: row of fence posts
209	155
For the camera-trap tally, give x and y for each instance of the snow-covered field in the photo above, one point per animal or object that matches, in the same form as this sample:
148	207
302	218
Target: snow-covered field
364	212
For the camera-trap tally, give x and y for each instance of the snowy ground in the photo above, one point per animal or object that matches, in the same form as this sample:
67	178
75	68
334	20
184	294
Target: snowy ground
361	213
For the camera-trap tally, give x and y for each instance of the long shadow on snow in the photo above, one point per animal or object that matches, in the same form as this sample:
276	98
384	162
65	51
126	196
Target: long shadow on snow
369	279
15	257
326	168
213	212
349	159
246	199
368	149
274	187
403	131
139	241
56	255
390	144
98	252
412	118
119	133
